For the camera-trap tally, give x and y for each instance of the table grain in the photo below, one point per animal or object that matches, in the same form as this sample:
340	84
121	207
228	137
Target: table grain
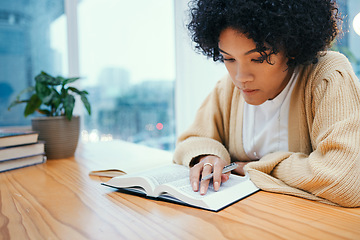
59	200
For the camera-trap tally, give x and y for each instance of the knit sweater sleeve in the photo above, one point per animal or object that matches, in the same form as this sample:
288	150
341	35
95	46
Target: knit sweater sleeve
207	135
331	173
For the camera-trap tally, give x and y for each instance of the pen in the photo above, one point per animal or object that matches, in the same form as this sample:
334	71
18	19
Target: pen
226	169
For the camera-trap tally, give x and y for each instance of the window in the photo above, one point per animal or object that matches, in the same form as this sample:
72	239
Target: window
32	39
349	42
128	62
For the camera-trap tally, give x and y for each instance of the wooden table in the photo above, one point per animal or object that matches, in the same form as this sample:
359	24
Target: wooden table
59	200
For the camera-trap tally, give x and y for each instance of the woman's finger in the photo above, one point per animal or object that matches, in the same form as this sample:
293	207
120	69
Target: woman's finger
195	176
240	169
207	169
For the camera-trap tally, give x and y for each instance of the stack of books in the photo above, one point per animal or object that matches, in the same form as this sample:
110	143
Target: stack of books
20	149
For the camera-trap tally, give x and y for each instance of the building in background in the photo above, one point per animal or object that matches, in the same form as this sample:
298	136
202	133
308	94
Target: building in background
25	50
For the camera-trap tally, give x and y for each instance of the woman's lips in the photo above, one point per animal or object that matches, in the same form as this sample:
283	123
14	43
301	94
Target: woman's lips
249	91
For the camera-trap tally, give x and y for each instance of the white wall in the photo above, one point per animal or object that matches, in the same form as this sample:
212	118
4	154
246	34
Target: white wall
72	37
195	74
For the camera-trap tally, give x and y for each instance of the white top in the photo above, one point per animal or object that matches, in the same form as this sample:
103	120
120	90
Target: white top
265	126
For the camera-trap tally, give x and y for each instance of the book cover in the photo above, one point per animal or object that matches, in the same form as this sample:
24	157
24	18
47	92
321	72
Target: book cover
9	137
21	162
20	151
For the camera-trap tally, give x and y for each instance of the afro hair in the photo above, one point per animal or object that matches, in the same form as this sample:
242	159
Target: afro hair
299	28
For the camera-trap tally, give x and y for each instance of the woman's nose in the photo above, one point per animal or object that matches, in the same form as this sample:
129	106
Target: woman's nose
243	75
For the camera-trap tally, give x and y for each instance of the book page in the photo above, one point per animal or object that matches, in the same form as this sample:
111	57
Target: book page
234	189
150	179
184	186
165	174
172	182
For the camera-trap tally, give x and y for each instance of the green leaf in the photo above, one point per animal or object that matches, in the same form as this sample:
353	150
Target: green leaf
60	79
17	98
69	103
43	91
64	92
70	80
26	90
33	104
47	79
16	102
52	92
86	103
83	98
56	100
48	99
75	90
44	111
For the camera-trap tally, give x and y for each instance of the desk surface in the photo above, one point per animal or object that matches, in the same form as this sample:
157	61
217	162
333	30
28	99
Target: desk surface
59	200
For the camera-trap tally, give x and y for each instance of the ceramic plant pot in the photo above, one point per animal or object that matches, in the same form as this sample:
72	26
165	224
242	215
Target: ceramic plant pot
60	135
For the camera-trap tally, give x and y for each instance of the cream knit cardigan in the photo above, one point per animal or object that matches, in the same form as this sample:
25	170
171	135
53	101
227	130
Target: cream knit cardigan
323	162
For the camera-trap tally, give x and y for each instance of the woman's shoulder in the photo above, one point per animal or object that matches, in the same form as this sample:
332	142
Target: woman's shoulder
329	65
330	61
333	59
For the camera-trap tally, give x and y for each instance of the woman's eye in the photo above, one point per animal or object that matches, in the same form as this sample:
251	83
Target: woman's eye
228	59
258	60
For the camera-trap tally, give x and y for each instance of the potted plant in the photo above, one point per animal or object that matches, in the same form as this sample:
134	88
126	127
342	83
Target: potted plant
54	98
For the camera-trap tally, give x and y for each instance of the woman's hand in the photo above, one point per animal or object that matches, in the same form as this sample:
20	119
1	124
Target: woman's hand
240	169
212	164
208	164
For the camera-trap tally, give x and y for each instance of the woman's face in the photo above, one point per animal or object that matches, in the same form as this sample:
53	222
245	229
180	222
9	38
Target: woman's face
257	80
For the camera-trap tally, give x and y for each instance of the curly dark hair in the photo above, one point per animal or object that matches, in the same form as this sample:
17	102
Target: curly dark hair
300	28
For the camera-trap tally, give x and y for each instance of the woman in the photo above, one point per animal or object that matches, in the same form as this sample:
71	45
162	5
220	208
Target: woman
288	112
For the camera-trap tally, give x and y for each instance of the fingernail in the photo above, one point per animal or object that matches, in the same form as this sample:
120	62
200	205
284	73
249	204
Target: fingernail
202	190
195	186
216	186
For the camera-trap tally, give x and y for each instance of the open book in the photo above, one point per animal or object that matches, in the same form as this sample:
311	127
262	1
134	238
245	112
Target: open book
171	183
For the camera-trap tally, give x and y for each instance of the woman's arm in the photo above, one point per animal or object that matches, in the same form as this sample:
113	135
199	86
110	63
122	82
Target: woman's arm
208	133
203	146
